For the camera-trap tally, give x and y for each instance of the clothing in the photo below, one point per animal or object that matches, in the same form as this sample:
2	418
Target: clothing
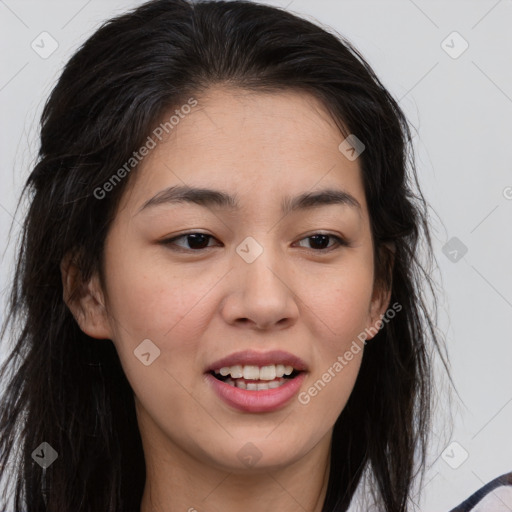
496	496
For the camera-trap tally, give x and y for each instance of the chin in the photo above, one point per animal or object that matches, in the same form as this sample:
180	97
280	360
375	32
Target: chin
258	454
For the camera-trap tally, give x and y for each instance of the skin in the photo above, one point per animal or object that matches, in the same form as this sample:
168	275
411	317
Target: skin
197	307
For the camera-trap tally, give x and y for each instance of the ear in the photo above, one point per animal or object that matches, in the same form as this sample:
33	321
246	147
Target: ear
381	296
379	305
85	300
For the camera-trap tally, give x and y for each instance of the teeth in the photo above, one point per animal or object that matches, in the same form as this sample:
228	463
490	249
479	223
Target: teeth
255	386
236	372
251	372
268	372
239	383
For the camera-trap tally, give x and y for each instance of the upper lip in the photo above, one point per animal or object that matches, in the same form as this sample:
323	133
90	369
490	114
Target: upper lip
252	357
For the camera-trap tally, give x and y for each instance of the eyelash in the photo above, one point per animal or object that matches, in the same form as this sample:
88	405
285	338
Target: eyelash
340	242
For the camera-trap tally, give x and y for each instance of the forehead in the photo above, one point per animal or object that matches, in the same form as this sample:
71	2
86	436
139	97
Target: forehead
257	145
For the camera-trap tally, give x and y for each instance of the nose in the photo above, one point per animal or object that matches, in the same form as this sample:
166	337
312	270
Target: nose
261	293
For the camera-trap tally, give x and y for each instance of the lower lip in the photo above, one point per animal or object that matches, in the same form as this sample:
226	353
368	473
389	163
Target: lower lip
267	400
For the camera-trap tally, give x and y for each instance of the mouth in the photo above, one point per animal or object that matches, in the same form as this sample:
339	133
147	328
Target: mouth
252	381
256	378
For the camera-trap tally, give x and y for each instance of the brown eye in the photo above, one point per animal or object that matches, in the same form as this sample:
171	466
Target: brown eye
192	241
320	241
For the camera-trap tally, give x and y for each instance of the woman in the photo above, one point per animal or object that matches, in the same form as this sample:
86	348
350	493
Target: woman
219	285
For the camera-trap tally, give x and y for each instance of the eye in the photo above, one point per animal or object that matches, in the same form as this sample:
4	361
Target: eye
195	241
320	242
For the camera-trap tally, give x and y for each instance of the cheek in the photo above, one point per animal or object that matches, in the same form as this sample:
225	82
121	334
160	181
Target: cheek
339	303
172	311
339	307
337	356
157	303
153	299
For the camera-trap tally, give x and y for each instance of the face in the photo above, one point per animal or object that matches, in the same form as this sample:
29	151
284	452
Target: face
248	271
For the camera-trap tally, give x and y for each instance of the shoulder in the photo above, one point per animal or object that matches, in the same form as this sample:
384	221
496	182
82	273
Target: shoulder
496	496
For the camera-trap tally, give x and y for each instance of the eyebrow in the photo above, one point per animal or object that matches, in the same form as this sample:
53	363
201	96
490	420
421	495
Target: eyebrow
216	198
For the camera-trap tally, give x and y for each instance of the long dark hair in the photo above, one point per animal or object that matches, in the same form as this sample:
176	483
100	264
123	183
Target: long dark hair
69	390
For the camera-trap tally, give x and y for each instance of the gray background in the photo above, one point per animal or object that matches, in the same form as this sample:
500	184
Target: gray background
461	108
